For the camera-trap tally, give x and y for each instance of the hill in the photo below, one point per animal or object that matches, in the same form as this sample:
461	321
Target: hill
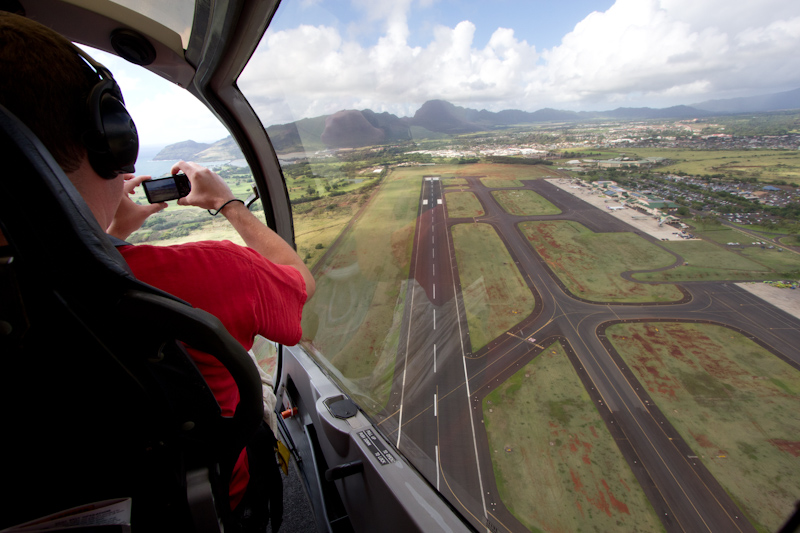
351	128
223	150
754	104
185	150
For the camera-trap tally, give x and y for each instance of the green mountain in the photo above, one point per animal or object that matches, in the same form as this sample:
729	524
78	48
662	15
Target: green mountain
350	128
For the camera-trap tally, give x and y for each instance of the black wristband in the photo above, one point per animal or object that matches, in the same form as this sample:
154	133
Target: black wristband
215	213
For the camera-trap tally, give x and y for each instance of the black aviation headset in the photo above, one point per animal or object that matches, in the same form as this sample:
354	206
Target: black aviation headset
112	142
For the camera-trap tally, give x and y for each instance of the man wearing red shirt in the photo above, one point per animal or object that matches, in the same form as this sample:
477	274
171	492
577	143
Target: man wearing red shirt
258	289
253	290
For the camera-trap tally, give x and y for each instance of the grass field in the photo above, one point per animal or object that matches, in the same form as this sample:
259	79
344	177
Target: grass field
543	426
317	224
454	182
463	205
733	402
495	295
708	261
353	319
762	164
790	240
524	203
499	183
589	264
502	171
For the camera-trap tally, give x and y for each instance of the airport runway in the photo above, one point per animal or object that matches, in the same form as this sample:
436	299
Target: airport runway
441	383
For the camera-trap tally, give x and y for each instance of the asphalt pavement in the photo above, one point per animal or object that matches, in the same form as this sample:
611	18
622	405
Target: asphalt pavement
436	409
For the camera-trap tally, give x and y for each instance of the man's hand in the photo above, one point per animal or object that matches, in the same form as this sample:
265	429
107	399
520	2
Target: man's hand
129	215
209	190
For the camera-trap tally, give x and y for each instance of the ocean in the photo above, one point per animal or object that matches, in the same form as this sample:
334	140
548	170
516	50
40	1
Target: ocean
146	166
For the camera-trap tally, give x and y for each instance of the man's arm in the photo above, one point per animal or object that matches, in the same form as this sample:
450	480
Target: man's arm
210	191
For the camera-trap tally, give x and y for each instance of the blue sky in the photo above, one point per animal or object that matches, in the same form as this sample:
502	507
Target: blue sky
539	22
321	56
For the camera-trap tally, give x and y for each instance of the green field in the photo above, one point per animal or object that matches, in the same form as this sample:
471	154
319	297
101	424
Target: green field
499	183
556	465
495	295
506	172
712	262
317	224
589	264
454	182
524	203
463	205
353	320
767	165
732	401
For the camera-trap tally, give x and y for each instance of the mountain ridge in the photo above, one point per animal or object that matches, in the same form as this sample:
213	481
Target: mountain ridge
350	128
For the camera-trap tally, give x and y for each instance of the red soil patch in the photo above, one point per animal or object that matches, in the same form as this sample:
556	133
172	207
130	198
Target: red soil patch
602	501
576	481
615	503
594	433
788	446
704	441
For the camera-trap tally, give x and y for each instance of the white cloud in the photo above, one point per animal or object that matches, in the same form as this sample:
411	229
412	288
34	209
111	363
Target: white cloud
640	48
163	112
317	71
639	52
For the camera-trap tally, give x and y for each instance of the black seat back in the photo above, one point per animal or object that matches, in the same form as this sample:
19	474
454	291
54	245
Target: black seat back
99	398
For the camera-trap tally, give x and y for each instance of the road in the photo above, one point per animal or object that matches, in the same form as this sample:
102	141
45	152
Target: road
440	383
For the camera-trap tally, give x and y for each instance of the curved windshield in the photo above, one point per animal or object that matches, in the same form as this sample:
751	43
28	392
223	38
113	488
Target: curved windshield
154	104
555	247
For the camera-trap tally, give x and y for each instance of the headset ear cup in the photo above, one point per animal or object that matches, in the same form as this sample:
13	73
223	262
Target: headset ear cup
120	132
113	143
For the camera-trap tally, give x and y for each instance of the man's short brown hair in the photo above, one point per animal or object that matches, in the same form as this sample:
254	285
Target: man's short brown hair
45	84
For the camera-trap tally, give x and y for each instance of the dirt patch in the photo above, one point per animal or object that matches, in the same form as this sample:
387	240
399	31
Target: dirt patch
788	446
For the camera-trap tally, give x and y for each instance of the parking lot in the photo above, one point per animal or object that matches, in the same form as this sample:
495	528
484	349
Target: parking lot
642	222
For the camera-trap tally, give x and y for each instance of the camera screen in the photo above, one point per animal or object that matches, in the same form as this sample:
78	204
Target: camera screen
161	190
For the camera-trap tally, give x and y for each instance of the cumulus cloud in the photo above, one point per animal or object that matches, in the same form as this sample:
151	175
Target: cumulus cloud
638	52
641	49
315	70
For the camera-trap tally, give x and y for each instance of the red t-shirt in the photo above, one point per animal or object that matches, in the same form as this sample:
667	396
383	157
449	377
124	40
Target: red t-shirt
249	294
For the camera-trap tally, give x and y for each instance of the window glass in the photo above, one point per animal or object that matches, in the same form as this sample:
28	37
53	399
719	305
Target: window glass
173	126
540	234
176	15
